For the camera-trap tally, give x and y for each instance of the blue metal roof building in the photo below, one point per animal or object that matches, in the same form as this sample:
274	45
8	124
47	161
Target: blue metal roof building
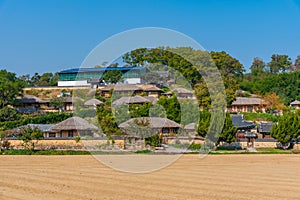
80	76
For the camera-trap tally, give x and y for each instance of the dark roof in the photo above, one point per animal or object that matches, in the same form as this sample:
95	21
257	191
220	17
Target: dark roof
239	122
42	127
154	122
74	123
265	127
31	99
296	102
102	69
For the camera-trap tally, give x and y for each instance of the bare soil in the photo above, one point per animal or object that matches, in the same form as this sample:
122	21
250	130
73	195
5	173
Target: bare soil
190	177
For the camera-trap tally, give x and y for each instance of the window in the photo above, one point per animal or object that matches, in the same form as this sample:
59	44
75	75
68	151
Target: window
70	133
52	135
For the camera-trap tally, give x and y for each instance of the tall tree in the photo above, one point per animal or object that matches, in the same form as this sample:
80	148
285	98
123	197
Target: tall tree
231	70
257	66
279	63
10	87
287	129
296	65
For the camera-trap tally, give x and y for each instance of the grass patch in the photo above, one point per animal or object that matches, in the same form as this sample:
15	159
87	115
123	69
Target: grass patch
44	152
143	151
261	117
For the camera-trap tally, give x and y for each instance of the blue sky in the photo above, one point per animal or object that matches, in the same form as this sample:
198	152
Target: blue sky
51	35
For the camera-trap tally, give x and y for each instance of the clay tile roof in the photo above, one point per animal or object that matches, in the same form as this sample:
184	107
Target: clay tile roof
31	99
74	123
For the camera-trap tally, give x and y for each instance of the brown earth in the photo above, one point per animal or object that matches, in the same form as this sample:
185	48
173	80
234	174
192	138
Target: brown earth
213	177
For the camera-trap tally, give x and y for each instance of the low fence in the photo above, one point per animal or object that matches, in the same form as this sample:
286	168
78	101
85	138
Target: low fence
72	144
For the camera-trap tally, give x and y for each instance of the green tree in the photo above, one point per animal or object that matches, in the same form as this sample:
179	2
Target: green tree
45	79
112	76
34	81
287	129
279	63
257	66
9	114
10	88
30	137
228	133
232	73
58	103
203	124
172	107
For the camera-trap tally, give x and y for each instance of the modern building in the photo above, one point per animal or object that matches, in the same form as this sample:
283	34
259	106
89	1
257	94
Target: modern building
87	76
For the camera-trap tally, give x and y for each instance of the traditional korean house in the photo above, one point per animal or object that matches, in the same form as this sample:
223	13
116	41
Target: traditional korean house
31	104
242	126
74	126
159	125
93	103
248	104
295	104
183	93
130	101
264	129
121	90
151	90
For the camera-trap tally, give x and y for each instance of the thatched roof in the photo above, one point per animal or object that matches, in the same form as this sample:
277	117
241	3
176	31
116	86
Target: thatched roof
93	102
74	123
150	88
131	100
182	91
247	101
154	100
190	127
294	103
152	122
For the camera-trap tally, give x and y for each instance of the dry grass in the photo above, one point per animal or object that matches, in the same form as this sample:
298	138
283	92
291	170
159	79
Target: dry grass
214	177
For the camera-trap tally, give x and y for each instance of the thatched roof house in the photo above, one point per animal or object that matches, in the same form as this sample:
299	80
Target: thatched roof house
74	126
93	102
156	124
190	127
295	104
183	93
130	100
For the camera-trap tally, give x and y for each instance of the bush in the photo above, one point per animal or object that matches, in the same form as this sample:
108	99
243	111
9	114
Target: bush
194	146
153	141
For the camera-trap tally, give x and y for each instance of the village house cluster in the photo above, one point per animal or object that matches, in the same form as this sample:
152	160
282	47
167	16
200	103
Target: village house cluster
131	91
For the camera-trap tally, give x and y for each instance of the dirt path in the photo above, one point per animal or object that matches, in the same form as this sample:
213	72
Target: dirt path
215	177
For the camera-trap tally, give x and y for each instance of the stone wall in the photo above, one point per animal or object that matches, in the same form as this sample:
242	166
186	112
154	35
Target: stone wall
72	144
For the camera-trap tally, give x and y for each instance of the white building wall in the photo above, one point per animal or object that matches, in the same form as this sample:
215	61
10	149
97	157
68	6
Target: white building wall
73	83
132	80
